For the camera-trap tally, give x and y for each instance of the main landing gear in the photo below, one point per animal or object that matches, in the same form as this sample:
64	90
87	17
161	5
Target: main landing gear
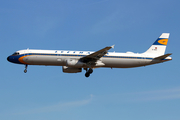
88	72
25	71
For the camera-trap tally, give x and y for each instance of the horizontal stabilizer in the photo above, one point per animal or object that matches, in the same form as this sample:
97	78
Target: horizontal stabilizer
162	57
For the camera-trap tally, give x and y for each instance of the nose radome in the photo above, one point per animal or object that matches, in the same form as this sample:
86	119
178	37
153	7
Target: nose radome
8	59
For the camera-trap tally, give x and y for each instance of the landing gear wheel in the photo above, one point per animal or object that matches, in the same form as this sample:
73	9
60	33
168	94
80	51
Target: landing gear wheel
90	70
25	71
87	74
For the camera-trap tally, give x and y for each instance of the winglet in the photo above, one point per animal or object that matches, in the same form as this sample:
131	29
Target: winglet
112	46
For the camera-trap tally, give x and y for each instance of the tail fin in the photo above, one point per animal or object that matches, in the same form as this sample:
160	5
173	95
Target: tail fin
159	46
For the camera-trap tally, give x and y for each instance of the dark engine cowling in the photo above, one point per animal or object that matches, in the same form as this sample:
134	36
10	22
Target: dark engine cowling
74	63
71	69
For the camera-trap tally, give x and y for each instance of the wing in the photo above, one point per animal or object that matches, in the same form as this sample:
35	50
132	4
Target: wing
96	55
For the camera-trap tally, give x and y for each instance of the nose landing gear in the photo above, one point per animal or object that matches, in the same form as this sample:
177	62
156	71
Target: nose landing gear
88	72
25	71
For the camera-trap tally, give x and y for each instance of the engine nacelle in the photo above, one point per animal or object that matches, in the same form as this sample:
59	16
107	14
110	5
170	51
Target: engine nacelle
71	69
74	63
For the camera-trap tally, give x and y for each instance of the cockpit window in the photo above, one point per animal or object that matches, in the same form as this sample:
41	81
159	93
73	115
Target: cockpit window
16	53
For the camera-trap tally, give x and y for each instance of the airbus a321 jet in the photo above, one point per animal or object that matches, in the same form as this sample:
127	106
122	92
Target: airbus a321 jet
75	61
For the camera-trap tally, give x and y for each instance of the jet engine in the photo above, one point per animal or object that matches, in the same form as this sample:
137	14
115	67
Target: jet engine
71	69
74	63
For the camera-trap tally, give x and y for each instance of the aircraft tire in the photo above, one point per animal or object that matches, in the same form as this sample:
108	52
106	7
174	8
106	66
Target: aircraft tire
25	71
87	74
90	70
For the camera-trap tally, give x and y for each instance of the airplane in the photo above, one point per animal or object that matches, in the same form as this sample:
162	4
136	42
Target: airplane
75	61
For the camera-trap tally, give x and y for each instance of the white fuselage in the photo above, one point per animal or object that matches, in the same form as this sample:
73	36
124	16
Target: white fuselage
60	57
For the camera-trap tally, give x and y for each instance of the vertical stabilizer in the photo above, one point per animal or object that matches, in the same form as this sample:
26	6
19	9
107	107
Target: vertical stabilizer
159	46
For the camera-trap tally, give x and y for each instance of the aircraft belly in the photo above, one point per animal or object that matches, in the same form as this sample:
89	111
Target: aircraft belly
44	60
109	62
125	63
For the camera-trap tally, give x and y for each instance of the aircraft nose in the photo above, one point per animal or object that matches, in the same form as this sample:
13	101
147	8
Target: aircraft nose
8	58
13	59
